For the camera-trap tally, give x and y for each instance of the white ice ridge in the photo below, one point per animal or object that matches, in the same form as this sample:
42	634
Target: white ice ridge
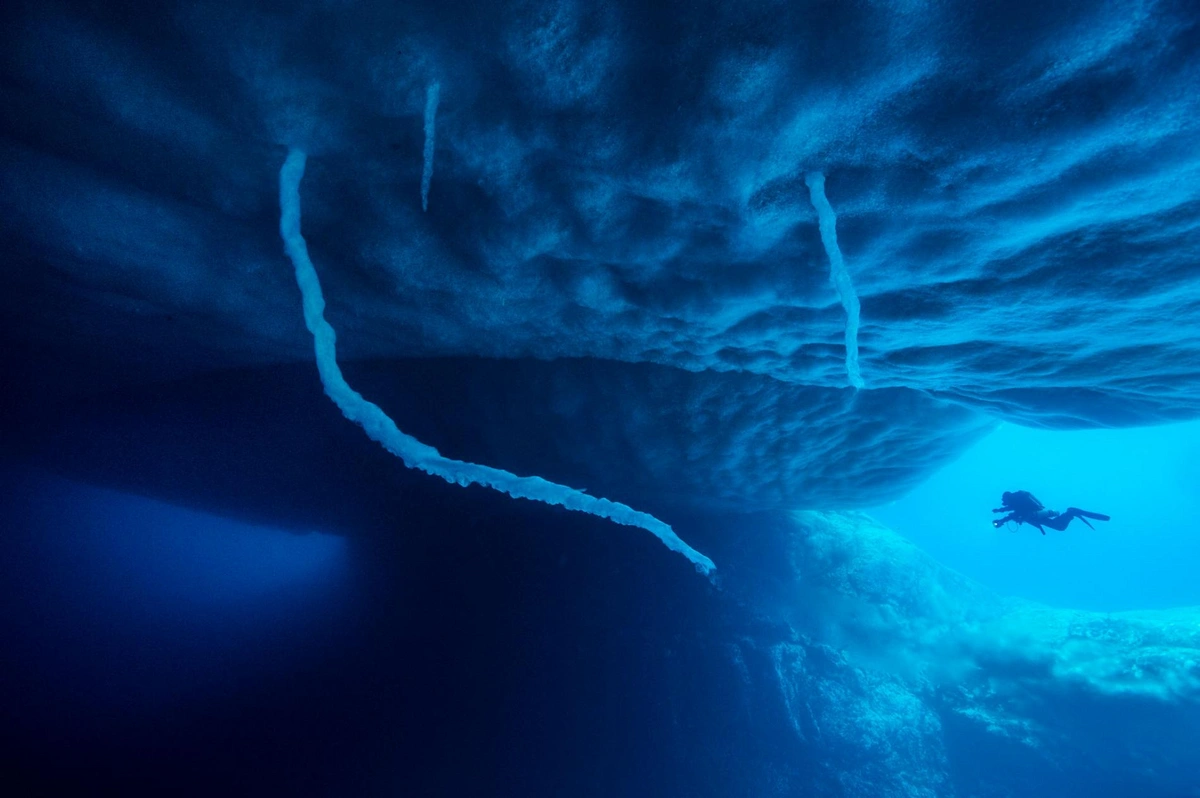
827	221
380	428
431	104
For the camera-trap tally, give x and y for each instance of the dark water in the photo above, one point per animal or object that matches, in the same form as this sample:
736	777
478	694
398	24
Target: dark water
490	650
489	647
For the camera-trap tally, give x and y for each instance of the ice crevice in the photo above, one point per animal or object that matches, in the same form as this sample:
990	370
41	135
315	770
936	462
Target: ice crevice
380	427
838	275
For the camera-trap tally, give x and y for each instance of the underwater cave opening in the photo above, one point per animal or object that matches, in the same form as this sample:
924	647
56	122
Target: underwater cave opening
121	606
1144	477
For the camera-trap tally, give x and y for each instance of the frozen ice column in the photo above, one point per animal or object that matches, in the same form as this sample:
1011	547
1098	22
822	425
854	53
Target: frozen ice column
827	221
431	104
380	428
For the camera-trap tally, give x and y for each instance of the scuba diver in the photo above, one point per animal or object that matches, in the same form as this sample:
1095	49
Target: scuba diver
1024	508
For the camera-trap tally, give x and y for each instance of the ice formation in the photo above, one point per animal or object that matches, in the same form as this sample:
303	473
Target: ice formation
380	427
431	104
614	237
838	275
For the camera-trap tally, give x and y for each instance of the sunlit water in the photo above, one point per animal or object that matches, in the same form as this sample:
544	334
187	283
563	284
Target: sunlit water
1145	478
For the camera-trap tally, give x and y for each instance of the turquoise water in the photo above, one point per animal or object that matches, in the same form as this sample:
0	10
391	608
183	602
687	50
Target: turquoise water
1147	479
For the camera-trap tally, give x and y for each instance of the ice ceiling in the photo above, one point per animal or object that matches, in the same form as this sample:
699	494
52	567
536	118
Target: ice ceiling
658	222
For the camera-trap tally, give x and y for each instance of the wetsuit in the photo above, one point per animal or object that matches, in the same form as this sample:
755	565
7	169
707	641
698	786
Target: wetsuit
1024	508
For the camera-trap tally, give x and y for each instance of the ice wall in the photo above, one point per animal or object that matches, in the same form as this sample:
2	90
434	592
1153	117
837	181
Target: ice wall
1013	194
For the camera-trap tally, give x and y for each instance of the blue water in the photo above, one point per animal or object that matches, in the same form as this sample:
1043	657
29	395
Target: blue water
157	648
126	607
554	398
1145	478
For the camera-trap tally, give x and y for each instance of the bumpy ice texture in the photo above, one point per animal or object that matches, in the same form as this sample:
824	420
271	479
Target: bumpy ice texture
1017	195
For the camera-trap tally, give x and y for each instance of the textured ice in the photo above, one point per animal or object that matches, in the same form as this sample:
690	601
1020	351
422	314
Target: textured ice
692	257
1016	190
920	681
946	625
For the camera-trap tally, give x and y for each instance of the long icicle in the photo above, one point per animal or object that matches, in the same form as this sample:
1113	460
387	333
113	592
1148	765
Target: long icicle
827	221
431	104
380	428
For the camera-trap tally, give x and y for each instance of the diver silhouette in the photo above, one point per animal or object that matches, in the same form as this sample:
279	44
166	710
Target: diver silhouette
1024	508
